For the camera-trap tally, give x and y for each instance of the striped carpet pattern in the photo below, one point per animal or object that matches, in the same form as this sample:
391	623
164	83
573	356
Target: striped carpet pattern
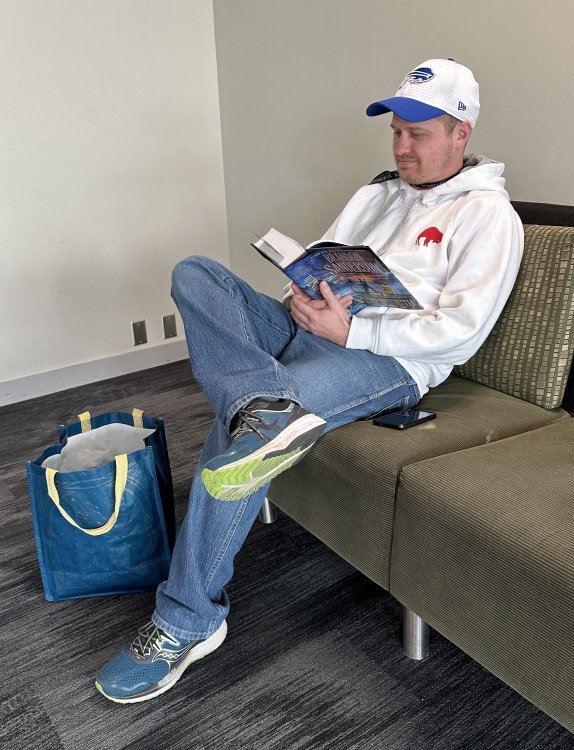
313	659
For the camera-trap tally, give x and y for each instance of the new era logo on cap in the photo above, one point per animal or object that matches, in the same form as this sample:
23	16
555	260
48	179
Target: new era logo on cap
434	88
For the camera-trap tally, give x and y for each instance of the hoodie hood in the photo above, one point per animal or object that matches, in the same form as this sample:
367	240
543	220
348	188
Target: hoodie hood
478	173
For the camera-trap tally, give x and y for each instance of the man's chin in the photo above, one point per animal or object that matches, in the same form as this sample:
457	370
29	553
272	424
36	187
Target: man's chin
408	174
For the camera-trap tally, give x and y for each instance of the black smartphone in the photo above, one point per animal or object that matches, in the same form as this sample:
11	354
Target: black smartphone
400	420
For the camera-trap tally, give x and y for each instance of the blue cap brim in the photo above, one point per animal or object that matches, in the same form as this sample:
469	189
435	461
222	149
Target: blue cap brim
409	109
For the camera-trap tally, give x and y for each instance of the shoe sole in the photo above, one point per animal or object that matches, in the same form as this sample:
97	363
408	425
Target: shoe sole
198	652
241	478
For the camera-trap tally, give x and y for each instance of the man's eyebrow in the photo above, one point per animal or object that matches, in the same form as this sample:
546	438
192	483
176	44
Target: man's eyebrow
410	128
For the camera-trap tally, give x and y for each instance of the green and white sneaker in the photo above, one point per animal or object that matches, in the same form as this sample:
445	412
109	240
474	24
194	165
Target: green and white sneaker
270	436
152	664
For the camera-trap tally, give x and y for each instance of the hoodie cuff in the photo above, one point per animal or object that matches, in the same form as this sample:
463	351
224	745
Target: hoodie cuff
361	334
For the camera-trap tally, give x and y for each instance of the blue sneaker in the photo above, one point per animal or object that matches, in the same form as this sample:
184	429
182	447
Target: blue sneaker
270	436
152	664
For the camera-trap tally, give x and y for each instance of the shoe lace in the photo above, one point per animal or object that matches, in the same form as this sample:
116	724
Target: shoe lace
246	421
148	638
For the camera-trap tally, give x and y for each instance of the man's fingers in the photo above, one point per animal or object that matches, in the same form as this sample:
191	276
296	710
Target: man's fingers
331	299
327	294
298	291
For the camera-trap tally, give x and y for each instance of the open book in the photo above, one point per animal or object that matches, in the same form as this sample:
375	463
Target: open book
348	269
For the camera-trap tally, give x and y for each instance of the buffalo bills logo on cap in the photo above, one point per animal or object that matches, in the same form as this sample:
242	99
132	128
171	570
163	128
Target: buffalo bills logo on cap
420	75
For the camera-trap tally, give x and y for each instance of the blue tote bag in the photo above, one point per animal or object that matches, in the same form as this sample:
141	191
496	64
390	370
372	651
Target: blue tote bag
99	531
156	440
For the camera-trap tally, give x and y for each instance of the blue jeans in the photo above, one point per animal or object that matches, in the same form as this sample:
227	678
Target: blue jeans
243	344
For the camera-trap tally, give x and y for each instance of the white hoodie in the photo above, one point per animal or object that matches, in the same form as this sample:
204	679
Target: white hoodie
457	247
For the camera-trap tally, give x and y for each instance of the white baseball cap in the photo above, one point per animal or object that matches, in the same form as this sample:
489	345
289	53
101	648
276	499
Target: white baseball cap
434	88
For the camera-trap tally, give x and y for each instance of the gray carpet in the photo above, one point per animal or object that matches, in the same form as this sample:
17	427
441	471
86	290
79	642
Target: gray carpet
313	658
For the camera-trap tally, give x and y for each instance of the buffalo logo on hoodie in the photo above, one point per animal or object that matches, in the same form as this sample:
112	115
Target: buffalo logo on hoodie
431	234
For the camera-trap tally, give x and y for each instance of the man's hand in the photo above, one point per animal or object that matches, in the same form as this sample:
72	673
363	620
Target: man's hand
327	318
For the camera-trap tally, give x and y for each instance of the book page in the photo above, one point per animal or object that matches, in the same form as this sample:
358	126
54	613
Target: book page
279	248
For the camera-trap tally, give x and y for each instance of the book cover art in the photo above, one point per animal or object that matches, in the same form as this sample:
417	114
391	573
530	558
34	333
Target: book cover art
357	271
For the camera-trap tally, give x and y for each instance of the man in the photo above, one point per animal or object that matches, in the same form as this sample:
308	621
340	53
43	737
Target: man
279	375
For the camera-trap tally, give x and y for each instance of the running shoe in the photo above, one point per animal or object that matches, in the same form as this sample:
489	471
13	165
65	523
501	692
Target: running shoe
269	437
152	664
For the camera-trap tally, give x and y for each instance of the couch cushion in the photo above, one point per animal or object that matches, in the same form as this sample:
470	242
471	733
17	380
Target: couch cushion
529	351
483	550
344	490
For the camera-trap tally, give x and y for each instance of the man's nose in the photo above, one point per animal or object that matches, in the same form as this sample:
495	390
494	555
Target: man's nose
402	144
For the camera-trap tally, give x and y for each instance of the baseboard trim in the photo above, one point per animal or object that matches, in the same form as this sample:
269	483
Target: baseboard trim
42	384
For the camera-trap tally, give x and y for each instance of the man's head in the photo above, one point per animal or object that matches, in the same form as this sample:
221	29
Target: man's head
434	111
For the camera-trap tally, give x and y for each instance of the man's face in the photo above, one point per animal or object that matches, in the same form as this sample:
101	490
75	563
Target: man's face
424	152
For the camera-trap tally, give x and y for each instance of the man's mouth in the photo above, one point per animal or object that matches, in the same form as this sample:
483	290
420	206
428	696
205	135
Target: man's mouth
406	162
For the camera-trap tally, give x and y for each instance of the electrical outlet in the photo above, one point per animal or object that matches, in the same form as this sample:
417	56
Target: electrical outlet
139	332
169	326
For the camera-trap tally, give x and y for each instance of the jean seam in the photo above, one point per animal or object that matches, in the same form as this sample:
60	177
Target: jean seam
242	507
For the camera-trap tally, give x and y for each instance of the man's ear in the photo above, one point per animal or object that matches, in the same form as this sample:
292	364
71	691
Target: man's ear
463	131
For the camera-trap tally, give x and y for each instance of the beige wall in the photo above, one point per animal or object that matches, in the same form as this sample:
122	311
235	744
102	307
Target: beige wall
111	165
295	77
110	171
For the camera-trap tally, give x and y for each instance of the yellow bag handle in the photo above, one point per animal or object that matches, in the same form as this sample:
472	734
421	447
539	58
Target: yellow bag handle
86	419
120	485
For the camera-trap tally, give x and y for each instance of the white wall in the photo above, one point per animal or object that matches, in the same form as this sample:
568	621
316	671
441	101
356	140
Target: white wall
295	77
110	171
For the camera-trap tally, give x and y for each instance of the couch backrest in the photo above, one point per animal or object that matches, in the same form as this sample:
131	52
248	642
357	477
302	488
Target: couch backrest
530	350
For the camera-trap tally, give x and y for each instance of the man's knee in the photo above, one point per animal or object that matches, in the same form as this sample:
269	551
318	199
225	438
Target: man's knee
194	272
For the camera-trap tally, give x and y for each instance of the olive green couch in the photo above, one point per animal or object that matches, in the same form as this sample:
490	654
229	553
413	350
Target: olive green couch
468	520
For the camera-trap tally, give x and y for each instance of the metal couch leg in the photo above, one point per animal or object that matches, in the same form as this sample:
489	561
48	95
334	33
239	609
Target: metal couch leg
415	635
268	512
